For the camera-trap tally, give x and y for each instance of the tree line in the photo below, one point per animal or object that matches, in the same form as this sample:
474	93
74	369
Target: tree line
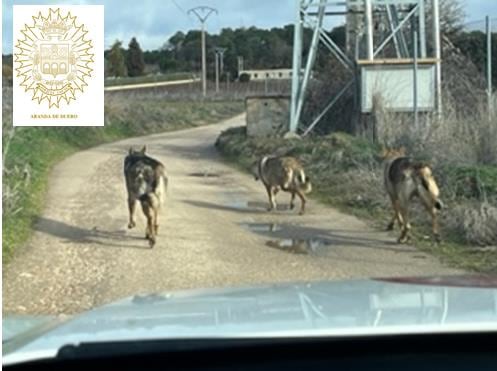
120	62
259	48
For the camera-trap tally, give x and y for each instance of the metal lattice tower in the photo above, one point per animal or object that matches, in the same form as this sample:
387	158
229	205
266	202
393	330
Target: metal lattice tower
371	27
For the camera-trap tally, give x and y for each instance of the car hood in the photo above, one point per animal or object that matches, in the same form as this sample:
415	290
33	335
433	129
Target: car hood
361	307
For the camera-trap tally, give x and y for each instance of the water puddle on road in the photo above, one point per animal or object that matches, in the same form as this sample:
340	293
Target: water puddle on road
205	175
299	246
262	227
246	205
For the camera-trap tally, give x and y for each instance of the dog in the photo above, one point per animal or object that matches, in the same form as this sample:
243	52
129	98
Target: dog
146	182
282	173
405	179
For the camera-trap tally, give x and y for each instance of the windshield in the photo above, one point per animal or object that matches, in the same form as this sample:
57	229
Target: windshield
159	147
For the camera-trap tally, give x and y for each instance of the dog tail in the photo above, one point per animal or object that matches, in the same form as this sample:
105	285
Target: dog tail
304	181
161	189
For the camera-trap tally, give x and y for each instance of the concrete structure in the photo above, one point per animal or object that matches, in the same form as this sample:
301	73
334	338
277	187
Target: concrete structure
267	115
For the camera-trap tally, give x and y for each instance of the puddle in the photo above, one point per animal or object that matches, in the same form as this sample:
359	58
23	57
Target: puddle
262	227
244	205
205	175
299	246
420	257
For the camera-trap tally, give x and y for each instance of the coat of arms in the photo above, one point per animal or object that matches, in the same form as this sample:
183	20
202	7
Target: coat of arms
54	58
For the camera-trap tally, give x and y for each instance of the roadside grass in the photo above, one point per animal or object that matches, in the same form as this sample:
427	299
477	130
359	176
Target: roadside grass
149	79
32	152
347	173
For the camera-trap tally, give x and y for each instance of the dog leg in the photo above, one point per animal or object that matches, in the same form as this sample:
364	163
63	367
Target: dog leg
275	191
398	216
391	225
156	222
150	235
292	201
270	197
151	224
302	202
395	216
435	228
406	226
131	208
148	210
434	225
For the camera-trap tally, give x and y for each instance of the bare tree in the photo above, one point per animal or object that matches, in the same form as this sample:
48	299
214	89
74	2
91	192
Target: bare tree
452	16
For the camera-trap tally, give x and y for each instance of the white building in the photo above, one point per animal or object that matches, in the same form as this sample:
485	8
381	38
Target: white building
268	74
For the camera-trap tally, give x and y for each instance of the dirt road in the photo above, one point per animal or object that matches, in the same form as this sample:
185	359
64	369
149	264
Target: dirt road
214	232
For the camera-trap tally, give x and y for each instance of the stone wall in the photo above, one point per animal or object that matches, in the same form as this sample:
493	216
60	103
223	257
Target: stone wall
267	115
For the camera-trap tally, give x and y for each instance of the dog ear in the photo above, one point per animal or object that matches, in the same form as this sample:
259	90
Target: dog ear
130	150
418	166
144	149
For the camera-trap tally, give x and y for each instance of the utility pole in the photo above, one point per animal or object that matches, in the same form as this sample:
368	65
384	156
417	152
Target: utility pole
217	72
219	63
203	13
438	55
415	78
240	65
489	66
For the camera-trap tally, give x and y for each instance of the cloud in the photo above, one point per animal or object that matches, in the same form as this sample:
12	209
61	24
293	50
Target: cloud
154	21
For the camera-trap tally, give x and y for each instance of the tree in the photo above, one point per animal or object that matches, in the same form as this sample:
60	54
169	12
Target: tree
134	59
176	41
451	16
117	68
474	46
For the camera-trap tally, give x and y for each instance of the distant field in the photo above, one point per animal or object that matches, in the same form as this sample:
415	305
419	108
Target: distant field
149	79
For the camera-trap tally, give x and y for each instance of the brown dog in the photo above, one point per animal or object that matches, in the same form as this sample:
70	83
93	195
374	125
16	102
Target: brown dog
282	173
405	179
146	181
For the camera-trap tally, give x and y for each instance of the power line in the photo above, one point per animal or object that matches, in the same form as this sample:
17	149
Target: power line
179	7
478	21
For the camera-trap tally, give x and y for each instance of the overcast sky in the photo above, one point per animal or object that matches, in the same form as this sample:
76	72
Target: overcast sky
154	21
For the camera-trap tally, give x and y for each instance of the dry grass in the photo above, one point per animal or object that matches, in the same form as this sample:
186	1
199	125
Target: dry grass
462	150
347	173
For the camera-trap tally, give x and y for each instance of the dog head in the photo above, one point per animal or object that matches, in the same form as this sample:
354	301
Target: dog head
427	187
390	153
141	152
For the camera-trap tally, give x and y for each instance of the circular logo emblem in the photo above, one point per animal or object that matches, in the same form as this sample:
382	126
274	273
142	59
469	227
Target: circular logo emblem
54	58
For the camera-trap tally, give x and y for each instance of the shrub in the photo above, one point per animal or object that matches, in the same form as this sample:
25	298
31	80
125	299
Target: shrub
244	77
